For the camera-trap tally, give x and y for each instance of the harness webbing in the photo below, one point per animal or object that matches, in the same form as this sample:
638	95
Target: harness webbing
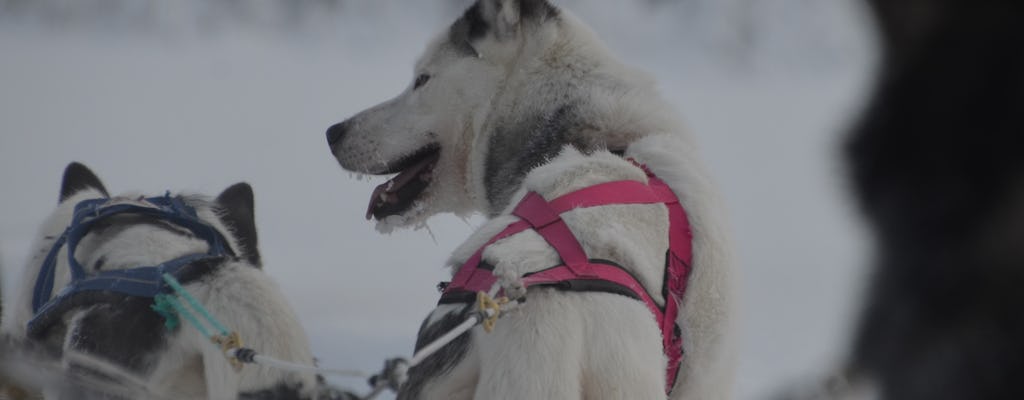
144	281
577	272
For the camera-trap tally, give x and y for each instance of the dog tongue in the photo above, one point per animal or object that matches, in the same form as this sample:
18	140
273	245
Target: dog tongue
390	192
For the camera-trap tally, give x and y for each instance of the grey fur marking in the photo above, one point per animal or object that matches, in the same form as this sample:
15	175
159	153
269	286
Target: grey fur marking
515	150
540	10
443	360
471	26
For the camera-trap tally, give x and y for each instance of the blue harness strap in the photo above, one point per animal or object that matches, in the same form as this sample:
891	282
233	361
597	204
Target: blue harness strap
143	281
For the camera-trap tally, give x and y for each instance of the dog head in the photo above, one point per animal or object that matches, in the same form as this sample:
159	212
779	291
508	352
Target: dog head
124	241
499	92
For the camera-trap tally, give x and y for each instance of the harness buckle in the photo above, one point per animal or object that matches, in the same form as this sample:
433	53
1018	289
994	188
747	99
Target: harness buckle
227	343
490	309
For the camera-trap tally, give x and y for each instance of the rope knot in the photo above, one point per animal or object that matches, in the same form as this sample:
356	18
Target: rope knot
163	305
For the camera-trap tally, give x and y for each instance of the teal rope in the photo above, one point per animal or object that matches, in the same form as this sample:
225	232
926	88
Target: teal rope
162	304
165	300
180	291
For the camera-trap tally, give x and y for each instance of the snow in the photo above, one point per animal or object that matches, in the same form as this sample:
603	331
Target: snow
184	106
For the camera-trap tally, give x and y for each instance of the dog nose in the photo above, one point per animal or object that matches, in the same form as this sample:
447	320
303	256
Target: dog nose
336	132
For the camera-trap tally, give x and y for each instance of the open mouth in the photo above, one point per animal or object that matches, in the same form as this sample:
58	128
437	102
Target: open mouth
399	193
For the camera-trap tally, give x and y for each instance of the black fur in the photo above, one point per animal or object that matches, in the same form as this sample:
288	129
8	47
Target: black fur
516	149
112	326
938	167
27	368
128	333
327	391
443	360
87	299
237	207
279	392
474	25
468	29
531	9
537	10
78	177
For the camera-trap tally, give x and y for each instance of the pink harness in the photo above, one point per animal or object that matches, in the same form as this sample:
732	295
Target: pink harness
579	273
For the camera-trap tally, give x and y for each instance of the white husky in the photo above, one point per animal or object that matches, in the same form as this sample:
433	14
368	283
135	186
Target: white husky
518	96
124	331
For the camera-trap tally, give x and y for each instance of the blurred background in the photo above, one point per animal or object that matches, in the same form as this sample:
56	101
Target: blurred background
198	94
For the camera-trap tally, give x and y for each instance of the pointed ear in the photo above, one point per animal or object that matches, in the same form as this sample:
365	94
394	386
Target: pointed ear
78	177
237	207
506	17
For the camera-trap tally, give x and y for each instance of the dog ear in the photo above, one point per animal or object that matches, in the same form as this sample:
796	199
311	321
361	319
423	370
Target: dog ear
505	17
78	177
237	210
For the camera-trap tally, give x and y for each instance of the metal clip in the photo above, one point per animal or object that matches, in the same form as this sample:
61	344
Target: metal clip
230	342
485	303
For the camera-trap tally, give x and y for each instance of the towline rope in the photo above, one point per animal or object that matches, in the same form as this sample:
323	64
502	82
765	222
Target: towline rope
392	376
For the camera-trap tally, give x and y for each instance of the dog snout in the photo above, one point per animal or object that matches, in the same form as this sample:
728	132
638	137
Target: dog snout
336	132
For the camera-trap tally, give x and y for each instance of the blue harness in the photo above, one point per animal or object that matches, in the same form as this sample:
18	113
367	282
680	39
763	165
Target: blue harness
139	282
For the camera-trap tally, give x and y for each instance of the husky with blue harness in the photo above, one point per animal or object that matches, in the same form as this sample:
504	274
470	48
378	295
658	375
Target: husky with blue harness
149	292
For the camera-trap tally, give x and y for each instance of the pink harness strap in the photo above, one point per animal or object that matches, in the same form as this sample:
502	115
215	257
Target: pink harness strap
549	224
544	217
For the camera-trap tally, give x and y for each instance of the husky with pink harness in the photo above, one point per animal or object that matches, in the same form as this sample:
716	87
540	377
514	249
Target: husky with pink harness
579	273
518	112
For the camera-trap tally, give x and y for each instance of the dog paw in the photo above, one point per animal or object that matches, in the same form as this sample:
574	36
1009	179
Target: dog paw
514	290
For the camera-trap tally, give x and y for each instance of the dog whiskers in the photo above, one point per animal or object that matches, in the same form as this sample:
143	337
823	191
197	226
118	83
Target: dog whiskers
465	220
430	232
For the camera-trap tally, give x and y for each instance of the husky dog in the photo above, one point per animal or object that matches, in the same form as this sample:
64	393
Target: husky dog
124	331
517	96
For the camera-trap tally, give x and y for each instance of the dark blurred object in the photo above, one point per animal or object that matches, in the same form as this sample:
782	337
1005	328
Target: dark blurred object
25	370
328	391
938	166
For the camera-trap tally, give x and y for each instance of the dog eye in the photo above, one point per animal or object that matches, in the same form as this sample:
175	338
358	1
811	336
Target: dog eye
420	81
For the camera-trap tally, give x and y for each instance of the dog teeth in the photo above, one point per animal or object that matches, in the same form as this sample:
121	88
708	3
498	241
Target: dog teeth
386	198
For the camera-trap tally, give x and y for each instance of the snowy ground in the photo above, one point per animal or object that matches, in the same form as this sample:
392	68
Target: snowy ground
195	110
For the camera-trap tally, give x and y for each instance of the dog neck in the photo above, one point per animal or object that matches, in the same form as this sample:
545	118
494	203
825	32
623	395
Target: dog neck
517	148
588	100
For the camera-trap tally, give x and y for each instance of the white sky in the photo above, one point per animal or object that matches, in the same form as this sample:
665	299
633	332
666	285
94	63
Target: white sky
199	111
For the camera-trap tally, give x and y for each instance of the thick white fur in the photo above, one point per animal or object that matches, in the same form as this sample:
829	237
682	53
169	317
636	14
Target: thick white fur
604	346
240	295
468	98
561	345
